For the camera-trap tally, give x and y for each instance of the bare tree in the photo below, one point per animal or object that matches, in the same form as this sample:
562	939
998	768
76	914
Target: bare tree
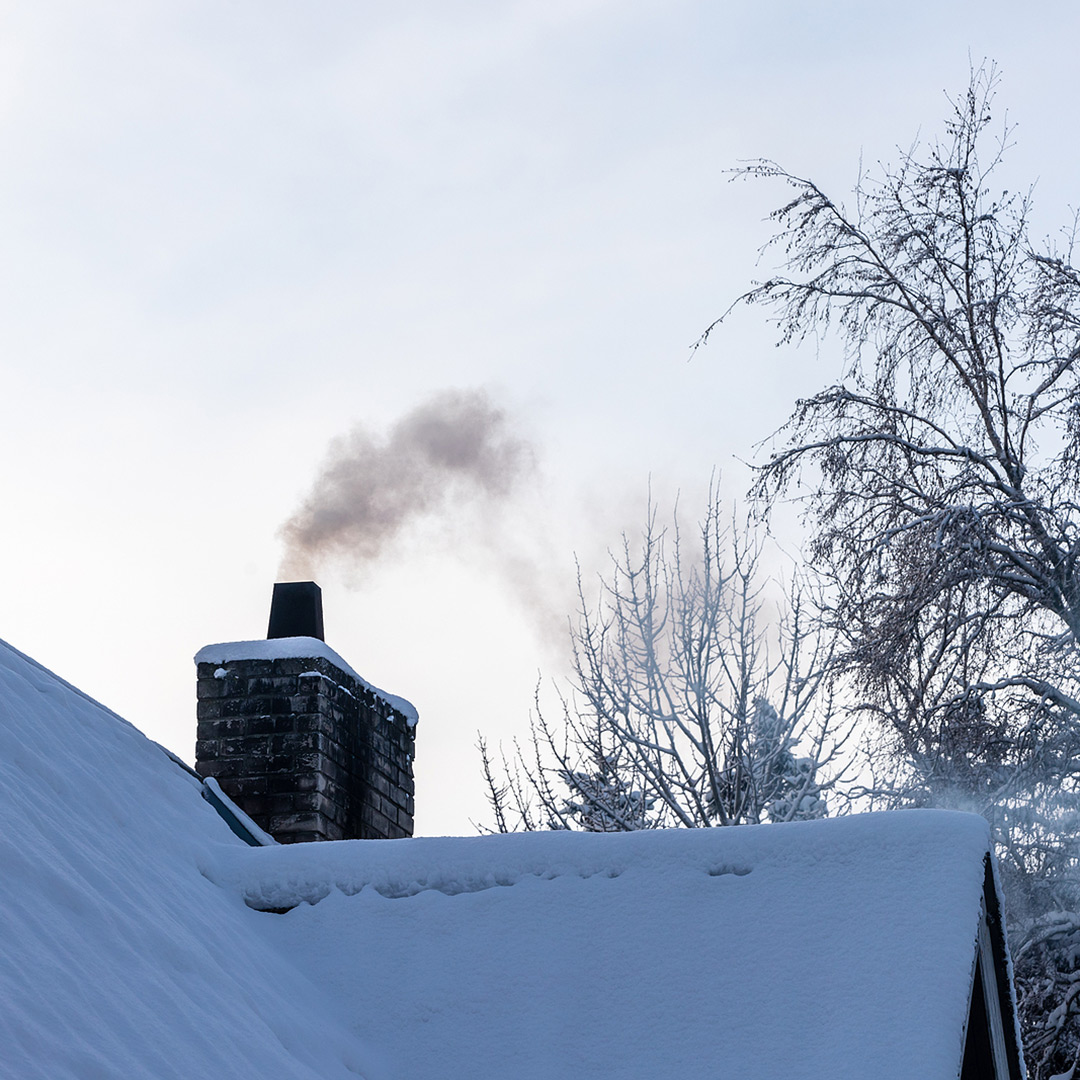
946	476
689	705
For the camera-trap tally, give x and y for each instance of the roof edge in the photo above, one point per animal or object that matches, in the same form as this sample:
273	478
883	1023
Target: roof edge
995	921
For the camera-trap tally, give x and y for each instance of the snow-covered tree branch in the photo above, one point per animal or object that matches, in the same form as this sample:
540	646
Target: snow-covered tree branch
945	480
691	704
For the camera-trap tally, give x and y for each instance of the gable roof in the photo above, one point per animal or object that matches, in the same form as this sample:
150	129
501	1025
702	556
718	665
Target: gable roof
835	948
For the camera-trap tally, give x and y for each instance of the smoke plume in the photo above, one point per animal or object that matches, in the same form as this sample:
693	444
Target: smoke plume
453	454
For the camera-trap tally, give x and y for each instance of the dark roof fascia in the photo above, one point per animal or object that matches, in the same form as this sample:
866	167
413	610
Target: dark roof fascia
230	819
995	924
226	809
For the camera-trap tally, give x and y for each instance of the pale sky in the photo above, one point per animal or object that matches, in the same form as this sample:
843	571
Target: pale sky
230	232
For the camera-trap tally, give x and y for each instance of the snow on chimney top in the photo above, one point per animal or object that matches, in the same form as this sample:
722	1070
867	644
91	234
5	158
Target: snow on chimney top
302	744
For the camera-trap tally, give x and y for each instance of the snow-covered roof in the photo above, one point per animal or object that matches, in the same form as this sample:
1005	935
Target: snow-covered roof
838	948
119	958
302	648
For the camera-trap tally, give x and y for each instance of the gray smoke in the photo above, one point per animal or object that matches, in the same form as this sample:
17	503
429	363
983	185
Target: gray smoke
453	454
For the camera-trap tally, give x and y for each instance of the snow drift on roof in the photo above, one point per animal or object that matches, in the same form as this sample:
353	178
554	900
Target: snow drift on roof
839	948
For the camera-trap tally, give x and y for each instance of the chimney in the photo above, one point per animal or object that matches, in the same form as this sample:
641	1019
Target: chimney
296	610
297	739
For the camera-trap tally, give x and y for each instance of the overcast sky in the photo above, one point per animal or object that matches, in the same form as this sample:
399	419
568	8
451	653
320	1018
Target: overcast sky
232	232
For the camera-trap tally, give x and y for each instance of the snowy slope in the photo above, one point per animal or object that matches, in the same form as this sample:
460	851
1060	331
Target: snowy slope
131	948
839	949
118	958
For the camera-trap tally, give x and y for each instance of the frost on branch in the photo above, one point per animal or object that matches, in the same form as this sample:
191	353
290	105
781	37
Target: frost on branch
692	702
945	479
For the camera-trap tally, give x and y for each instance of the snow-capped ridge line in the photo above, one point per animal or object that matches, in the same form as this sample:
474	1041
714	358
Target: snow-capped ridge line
293	874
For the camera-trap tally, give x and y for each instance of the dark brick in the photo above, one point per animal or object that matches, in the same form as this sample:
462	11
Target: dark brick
299	665
211	688
334	771
286	803
309	756
210	709
256	806
223	768
241	746
292	742
247	787
313	720
291	822
259	719
305	701
278	784
210	729
376	824
233	686
229	706
385	806
301	837
312	800
311	782
250	668
243	706
206	744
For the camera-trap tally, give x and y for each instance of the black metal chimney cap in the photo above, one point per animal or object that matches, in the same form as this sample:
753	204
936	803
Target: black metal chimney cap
296	610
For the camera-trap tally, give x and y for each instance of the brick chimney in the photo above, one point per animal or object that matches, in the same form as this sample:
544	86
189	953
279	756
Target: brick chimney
297	739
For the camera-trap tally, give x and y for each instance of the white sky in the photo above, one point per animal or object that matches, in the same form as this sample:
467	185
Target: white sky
230	231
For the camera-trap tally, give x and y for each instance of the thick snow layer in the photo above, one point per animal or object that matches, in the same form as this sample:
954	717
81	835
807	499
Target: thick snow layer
118	958
301	648
131	946
838	949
